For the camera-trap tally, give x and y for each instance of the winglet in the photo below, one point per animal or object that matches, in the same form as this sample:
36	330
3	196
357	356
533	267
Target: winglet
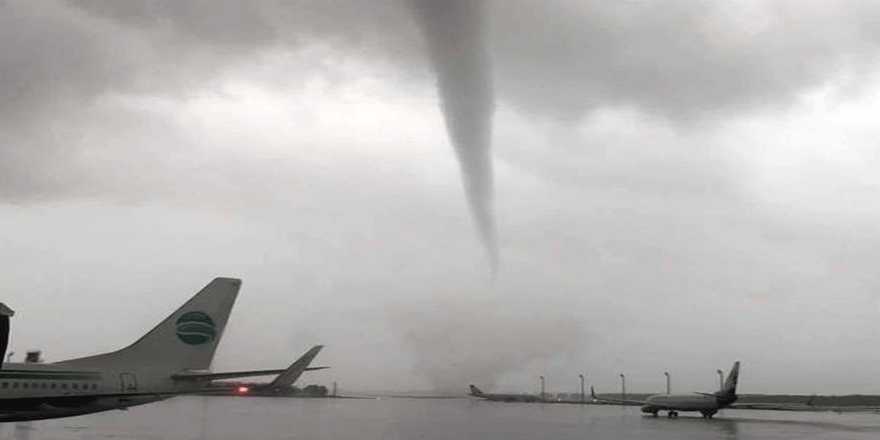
292	373
475	391
6	311
592	393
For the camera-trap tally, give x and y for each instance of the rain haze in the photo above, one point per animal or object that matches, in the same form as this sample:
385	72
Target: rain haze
666	186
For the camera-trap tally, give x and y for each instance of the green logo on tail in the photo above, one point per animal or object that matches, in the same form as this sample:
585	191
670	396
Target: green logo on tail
196	328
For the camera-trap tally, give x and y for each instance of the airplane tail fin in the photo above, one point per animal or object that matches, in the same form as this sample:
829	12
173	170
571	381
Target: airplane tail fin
732	378
185	340
475	391
292	373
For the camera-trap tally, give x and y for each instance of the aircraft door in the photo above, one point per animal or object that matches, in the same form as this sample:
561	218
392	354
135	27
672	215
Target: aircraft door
128	383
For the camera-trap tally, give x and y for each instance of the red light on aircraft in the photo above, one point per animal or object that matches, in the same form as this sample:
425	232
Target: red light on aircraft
242	389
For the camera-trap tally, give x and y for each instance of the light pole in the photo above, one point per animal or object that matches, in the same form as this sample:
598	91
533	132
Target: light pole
542	388
622	387
666	373
720	379
581	376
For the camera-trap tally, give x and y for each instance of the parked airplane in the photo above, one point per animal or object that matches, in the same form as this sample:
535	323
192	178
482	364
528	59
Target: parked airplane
503	397
284	380
707	404
171	359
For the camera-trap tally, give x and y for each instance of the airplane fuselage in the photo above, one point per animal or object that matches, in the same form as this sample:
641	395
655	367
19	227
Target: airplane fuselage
40	391
680	402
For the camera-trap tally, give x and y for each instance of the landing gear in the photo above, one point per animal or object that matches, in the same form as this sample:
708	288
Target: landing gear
708	414
653	413
672	414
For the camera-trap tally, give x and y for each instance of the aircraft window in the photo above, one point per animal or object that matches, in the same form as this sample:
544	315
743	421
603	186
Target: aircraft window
14	384
5	384
43	385
64	386
94	386
35	385
24	385
75	386
52	385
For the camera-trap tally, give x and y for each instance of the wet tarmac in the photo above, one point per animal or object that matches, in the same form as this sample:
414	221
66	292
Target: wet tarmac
228	418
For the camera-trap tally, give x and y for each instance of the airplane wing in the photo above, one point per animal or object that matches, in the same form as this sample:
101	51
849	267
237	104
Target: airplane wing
232	374
619	401
285	376
292	373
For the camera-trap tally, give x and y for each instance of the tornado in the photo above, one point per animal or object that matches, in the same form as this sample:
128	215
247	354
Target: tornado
455	39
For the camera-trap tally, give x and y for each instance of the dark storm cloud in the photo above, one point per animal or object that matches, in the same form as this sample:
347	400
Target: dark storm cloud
353	25
563	59
204	21
675	59
52	57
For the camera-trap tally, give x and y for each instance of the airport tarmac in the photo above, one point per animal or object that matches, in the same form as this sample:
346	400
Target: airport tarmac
223	418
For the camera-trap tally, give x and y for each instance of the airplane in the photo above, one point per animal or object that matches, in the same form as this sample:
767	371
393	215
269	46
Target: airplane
707	404
503	397
284	380
171	359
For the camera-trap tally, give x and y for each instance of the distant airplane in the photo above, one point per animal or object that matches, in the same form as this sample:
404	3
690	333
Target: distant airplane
503	397
170	360
707	404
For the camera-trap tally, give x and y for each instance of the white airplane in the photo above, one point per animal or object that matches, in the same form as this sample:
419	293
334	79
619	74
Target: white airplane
171	359
707	404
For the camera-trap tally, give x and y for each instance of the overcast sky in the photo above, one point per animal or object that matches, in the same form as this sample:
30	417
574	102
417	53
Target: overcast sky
678	185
